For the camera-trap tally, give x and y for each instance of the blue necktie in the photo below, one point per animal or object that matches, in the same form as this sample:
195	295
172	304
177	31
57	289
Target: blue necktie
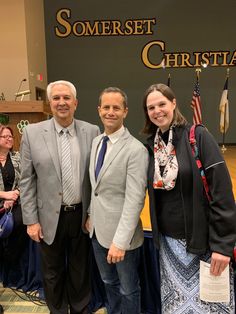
101	156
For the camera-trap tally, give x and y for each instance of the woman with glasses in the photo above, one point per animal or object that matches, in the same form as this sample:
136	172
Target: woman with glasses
12	247
9	169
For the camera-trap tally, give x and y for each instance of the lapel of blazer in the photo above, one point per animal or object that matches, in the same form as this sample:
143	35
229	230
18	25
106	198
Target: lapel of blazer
49	135
15	159
112	155
1	182
83	144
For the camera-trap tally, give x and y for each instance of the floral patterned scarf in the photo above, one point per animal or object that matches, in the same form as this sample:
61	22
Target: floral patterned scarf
165	156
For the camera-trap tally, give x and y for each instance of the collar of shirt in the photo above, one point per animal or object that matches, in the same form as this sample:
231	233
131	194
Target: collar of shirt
114	137
70	128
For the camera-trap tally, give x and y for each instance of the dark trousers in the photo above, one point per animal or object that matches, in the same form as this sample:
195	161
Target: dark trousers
66	267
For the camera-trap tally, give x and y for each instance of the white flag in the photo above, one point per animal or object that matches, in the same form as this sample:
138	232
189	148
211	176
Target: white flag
224	109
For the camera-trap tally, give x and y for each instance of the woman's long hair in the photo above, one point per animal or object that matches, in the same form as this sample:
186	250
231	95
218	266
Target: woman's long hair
178	118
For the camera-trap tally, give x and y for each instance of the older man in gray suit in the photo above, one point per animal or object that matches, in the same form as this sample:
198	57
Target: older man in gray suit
118	190
55	194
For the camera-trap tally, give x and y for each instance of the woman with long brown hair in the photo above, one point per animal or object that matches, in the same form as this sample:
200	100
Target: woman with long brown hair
186	227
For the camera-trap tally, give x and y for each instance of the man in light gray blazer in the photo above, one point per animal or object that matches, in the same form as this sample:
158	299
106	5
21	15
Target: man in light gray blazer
51	220
118	193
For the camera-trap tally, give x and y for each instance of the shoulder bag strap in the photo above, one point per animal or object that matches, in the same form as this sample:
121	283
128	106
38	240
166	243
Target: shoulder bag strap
193	143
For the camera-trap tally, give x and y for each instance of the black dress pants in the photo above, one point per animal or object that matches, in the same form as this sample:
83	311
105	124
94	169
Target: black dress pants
66	266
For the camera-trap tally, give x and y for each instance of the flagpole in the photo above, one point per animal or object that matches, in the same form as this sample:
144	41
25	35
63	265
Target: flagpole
223	149
168	80
198	70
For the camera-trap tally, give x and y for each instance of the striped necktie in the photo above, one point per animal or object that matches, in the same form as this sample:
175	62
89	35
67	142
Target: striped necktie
66	169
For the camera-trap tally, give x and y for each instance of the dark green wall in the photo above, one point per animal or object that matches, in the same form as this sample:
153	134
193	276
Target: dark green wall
93	63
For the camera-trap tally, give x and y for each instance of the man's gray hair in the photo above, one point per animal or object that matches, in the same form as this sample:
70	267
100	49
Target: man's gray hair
67	83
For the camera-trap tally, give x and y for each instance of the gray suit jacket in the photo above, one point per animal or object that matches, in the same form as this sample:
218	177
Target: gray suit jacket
40	185
118	194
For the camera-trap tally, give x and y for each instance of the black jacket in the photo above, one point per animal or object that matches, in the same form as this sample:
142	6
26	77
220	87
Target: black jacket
207	226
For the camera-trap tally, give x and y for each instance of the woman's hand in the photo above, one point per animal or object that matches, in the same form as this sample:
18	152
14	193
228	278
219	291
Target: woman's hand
11	195
218	263
8	204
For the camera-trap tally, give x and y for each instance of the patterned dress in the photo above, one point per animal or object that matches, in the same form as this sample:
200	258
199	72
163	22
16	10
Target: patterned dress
180	281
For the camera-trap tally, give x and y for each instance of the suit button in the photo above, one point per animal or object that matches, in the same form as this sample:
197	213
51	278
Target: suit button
96	194
60	193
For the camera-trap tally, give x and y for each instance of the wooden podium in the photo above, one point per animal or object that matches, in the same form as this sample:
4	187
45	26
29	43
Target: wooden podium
21	113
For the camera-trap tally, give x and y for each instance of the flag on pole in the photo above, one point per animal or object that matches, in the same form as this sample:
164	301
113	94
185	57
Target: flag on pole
224	108
196	103
168	81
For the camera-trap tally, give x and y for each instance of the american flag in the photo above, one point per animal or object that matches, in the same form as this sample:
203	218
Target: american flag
196	104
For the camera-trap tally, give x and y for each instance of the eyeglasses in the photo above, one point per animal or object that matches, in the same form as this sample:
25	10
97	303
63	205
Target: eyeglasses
9	137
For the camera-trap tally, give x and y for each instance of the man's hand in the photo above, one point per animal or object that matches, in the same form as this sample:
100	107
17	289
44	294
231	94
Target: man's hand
35	232
218	263
115	255
87	224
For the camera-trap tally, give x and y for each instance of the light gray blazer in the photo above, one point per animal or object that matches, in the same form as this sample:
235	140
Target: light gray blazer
40	184
119	192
